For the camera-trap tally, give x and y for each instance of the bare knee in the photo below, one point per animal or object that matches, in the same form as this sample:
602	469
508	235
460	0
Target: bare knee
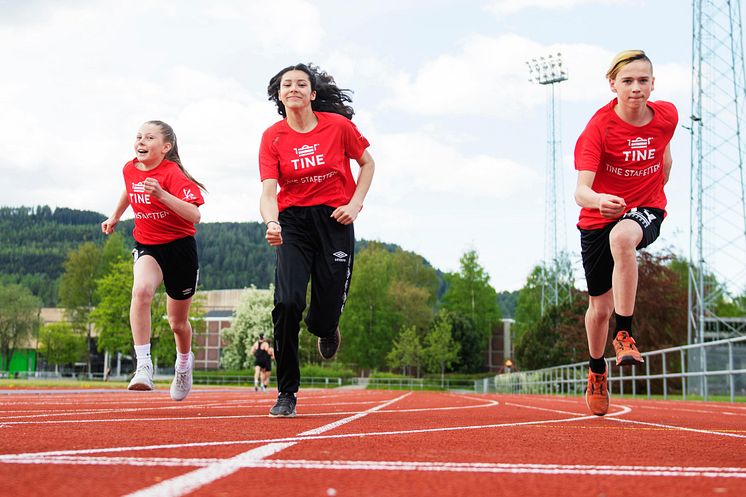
180	326
142	295
600	309
624	239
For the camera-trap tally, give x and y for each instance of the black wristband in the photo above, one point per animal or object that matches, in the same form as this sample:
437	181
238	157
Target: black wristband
268	222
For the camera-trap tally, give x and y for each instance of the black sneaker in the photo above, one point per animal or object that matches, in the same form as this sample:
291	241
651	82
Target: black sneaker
284	407
328	346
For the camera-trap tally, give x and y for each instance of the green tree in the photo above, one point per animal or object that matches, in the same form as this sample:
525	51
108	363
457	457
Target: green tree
115	250
60	344
463	331
19	320
528	305
111	315
440	350
470	294
407	351
558	337
78	288
253	317
370	317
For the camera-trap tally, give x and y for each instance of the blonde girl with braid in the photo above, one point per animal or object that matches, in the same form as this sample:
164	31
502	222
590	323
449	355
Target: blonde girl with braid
165	199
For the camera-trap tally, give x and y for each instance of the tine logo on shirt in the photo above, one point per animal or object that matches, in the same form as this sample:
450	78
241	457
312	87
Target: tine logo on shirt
639	150
639	142
307	157
138	195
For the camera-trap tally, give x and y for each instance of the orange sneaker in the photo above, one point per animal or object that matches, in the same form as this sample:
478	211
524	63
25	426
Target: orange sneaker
626	351
596	394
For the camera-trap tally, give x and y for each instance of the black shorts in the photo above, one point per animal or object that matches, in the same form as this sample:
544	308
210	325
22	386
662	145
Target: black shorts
596	251
178	263
265	365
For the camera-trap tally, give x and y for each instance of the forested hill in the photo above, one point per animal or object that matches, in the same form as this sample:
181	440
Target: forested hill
34	242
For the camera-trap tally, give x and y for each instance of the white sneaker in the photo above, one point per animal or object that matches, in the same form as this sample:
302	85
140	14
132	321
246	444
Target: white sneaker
143	379
182	384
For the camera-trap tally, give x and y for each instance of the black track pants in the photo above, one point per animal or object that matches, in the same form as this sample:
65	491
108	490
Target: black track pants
318	248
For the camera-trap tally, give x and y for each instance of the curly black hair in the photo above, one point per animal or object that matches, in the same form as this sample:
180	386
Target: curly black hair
329	98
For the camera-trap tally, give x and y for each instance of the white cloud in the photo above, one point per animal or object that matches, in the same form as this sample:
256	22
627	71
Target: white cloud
513	6
293	25
416	161
488	77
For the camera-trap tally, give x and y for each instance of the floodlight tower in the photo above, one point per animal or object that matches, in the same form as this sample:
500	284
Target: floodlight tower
717	236
556	271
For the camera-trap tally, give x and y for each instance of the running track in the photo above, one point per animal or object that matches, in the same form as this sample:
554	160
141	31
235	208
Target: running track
220	442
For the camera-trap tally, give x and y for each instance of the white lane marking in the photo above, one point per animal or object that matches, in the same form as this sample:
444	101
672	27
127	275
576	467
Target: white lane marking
254	461
186	483
6	457
679	428
486	403
696	411
359	415
624	410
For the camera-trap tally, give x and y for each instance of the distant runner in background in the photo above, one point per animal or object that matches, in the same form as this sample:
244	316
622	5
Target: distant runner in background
263	354
623	159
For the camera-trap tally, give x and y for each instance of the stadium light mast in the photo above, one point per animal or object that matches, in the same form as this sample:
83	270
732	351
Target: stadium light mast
556	271
717	234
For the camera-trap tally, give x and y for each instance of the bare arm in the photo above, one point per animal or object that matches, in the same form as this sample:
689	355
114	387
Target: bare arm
270	212
107	227
667	163
346	214
610	206
184	209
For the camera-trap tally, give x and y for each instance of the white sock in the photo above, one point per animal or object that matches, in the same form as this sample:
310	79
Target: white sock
143	354
182	361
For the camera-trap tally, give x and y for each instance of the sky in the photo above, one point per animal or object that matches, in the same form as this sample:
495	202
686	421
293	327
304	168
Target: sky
441	91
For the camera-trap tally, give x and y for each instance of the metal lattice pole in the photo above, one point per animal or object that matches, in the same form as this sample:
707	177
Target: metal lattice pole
717	241
556	269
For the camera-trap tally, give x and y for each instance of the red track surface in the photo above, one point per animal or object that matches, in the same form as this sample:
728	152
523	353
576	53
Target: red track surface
364	443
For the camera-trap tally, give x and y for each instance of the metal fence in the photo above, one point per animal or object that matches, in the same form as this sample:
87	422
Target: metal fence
701	370
403	383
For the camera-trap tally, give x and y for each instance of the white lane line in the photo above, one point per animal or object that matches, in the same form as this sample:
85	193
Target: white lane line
485	403
696	411
679	428
181	485
9	457
254	461
625	410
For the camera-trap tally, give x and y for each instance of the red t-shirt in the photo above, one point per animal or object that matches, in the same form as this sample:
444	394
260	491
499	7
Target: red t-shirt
312	168
154	222
627	160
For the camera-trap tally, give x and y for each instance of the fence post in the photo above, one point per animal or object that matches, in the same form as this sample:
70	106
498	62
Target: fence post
647	374
683	375
665	382
731	376
704	371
